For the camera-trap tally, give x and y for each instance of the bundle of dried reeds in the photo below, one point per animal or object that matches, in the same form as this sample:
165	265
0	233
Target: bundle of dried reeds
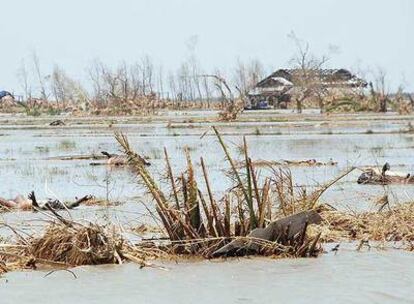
197	225
66	243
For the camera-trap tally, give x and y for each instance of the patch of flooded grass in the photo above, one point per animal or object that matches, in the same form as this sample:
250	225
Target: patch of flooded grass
155	153
66	144
42	149
28	170
57	171
378	151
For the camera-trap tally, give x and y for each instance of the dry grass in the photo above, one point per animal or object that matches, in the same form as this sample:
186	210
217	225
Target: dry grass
393	225
199	224
66	244
76	245
231	111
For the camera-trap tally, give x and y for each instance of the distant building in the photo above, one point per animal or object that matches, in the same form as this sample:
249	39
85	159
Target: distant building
6	98
278	88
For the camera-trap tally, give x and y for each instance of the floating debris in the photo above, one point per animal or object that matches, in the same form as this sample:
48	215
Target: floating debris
374	176
58	122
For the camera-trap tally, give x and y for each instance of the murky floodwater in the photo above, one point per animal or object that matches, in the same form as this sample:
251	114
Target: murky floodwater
26	149
347	277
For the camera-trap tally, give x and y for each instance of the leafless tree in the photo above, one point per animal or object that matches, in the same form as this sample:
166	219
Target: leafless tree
95	76
40	77
231	109
23	77
147	68
380	89
247	75
308	78
59	86
65	90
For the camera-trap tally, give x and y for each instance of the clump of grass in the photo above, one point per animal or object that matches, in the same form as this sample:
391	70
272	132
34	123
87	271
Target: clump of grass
57	171
156	153
53	111
67	244
76	245
386	225
198	224
67	144
35	112
28	170
293	198
42	149
369	131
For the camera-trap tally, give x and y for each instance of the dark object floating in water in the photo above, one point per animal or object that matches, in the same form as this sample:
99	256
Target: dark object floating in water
58	122
374	176
285	231
31	203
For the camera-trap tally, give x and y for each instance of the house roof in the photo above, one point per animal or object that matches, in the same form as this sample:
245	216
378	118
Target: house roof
328	77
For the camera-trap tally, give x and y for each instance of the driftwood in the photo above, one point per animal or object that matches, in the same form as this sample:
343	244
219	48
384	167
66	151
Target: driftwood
118	160
289	163
374	176
57	204
79	157
283	231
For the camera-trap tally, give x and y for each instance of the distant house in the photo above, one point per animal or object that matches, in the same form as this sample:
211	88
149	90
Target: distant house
278	88
5	94
6	98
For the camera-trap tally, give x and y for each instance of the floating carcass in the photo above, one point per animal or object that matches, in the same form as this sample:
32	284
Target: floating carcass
384	176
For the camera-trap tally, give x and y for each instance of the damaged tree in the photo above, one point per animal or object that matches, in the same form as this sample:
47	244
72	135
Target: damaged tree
308	79
231	106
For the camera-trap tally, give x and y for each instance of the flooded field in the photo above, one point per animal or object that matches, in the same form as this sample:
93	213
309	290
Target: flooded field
31	158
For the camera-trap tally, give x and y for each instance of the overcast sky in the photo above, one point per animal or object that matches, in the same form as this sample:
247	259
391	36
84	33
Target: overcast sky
367	33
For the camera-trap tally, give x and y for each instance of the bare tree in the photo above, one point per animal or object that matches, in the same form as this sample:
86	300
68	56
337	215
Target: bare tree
207	90
65	90
308	77
172	85
380	89
231	109
58	86
41	79
23	77
147	69
247	75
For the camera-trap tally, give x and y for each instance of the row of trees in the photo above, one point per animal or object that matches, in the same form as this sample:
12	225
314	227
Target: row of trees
127	82
145	83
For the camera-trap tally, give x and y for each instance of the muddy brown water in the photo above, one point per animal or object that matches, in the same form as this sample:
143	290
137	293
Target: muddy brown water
26	147
347	277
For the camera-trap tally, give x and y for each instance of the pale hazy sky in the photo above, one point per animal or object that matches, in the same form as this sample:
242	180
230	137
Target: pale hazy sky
369	33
